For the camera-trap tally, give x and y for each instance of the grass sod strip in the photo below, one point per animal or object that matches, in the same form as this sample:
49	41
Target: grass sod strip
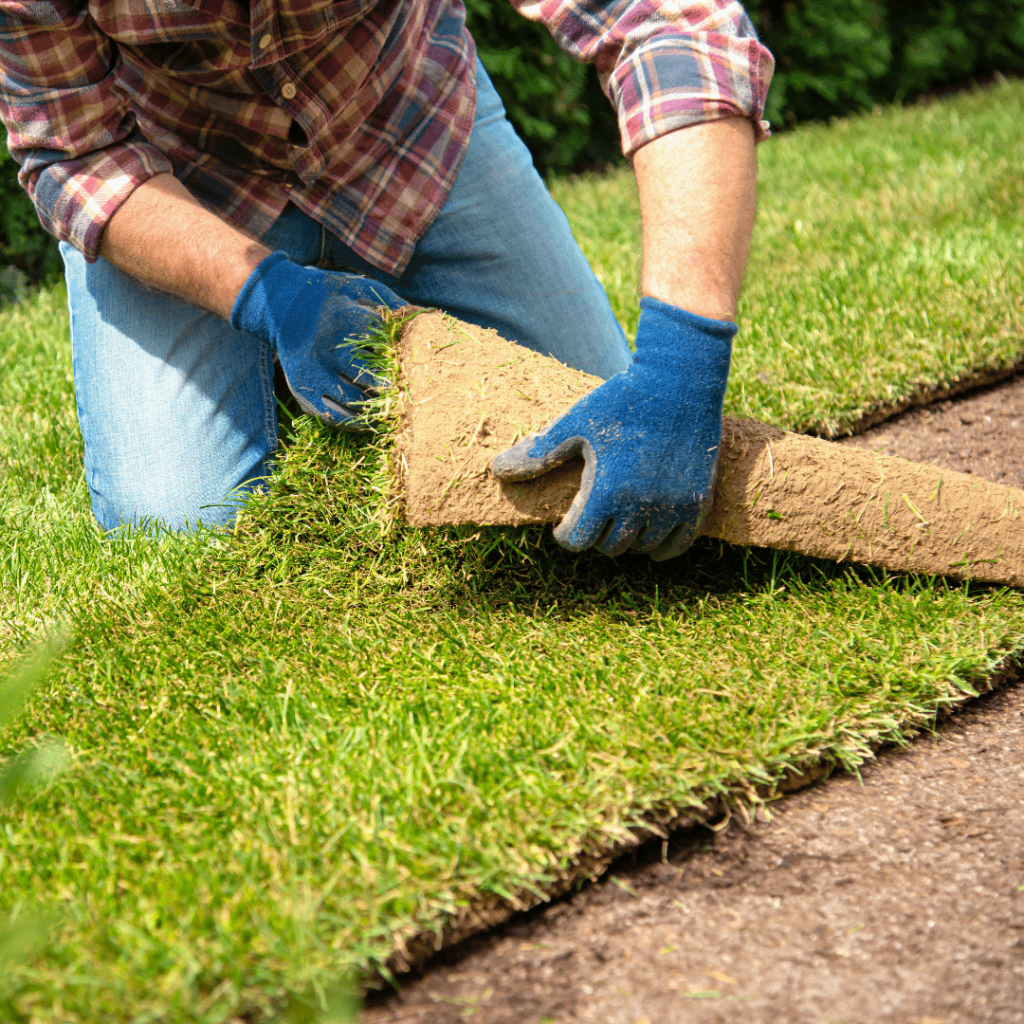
289	755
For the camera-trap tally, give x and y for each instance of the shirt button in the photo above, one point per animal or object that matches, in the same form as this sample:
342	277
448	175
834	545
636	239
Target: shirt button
265	41
288	91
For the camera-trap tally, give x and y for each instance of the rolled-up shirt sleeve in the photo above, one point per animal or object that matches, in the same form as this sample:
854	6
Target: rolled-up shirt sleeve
664	64
68	125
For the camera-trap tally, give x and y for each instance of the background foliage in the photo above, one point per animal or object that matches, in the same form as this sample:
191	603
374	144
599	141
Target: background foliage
27	253
833	57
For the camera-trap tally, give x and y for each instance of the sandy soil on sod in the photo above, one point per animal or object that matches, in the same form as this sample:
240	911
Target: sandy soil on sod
467	394
900	899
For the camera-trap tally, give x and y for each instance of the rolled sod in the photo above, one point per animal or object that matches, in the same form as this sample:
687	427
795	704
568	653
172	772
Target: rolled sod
466	394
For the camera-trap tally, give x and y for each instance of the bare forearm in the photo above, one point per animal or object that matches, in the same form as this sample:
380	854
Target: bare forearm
697	188
167	240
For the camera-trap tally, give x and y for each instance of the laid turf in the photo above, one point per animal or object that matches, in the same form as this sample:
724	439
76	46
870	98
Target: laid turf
886	264
289	752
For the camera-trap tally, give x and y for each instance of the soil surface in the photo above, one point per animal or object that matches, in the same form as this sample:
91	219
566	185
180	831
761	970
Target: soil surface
898	898
466	394
980	433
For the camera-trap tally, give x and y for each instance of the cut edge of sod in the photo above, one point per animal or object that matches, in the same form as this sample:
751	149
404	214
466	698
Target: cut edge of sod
740	798
966	383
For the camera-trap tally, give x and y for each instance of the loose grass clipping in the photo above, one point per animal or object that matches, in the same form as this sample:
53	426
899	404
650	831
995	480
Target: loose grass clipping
467	394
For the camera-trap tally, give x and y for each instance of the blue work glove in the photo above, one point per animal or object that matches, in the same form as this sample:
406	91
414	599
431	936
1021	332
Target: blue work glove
649	438
311	316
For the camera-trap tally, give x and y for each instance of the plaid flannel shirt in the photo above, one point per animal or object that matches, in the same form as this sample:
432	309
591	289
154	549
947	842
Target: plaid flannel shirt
358	111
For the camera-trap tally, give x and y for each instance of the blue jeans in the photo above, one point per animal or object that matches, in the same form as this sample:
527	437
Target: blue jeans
177	409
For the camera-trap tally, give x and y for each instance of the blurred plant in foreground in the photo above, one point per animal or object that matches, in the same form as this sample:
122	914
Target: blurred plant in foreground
23	933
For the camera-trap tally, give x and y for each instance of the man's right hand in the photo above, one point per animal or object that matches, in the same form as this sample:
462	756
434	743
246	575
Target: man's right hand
649	438
314	319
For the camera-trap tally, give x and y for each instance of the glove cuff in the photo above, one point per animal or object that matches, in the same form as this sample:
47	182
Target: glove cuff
266	295
666	326
690	351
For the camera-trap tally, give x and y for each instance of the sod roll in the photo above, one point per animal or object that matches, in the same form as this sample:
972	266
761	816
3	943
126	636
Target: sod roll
467	394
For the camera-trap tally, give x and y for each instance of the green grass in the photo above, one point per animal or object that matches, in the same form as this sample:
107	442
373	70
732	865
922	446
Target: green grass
288	753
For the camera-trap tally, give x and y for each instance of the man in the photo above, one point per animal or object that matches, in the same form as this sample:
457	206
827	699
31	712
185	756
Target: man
236	183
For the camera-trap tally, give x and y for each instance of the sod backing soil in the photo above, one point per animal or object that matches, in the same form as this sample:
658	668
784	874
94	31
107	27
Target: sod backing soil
896	899
467	394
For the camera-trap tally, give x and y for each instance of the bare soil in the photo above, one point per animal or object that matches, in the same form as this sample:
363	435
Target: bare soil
898	898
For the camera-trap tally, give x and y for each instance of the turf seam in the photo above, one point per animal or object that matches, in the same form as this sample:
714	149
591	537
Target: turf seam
962	387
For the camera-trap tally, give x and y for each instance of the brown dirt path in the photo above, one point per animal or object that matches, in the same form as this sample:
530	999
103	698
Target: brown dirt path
899	899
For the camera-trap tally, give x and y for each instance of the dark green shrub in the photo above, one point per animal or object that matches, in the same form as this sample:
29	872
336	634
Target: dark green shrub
834	57
936	43
830	56
27	253
556	104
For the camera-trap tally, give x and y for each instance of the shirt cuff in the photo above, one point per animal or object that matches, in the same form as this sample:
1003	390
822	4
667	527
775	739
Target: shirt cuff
673	81
76	198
